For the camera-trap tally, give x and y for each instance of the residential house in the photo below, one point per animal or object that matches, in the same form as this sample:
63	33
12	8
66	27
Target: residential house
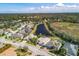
29	37
48	43
17	35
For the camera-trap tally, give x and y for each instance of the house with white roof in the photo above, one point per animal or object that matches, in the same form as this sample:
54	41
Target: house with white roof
43	40
48	43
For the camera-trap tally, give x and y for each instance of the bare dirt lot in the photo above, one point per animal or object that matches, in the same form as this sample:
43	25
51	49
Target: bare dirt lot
9	52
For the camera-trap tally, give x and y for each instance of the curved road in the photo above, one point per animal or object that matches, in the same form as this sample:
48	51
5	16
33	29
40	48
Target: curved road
34	49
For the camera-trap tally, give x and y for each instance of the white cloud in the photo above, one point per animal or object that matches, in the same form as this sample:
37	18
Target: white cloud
60	7
63	5
60	4
47	9
42	7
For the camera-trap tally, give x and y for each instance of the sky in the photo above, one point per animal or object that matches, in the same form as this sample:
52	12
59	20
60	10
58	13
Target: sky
39	7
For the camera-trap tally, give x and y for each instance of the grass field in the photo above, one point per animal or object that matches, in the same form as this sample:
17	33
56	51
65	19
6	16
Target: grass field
72	29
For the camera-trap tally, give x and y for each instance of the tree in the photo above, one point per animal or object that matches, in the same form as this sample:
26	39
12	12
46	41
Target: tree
22	51
40	35
61	52
34	40
78	52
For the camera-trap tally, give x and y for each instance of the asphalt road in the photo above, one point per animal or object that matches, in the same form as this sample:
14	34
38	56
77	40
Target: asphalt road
35	50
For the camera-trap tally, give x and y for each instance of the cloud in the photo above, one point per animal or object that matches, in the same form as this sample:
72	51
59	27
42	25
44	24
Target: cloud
60	4
63	5
72	6
32	8
57	8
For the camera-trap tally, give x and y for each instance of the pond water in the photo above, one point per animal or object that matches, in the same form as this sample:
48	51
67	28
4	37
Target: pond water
42	30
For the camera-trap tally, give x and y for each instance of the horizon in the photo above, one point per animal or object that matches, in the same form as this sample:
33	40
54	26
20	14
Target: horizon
44	13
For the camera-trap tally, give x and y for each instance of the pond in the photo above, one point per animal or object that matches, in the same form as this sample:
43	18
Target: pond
42	30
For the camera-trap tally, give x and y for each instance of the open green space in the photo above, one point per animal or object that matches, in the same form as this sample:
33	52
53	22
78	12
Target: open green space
66	29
